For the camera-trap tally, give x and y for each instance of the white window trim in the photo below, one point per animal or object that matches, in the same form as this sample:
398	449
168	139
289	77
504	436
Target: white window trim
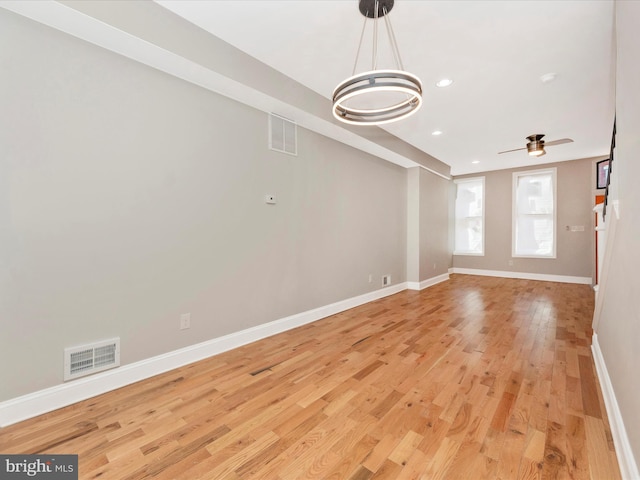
484	201
554	175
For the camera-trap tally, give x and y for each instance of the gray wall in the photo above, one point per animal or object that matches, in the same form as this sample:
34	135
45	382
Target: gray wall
618	324
428	253
434	225
128	197
575	250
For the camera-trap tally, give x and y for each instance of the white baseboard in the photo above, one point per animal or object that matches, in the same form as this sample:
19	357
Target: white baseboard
49	399
523	275
626	460
428	282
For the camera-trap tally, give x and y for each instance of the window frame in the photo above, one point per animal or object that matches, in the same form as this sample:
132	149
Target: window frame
553	171
455	217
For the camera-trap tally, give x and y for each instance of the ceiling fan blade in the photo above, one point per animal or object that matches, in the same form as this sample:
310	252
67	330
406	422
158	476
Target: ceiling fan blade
558	142
514	150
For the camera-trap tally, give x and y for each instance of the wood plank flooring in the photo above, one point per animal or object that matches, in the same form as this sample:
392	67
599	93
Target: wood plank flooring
474	378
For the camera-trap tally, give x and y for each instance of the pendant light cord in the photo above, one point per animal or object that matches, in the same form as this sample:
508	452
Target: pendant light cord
355	64
393	42
390	33
374	59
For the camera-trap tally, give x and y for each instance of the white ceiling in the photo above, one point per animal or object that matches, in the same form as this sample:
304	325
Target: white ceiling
495	51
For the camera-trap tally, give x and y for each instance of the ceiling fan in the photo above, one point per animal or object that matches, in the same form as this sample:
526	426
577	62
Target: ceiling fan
536	145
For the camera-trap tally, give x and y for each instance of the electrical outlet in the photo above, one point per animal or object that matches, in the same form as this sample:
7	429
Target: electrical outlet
370	278
185	321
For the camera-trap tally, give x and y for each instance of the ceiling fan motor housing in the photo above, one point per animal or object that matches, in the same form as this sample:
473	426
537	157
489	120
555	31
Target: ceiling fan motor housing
535	147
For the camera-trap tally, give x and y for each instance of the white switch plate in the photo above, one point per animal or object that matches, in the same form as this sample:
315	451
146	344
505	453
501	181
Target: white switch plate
185	321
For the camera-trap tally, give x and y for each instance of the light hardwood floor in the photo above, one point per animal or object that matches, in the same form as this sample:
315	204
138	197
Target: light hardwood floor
474	378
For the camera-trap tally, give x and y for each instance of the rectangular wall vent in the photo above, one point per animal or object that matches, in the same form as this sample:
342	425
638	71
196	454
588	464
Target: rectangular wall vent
282	135
87	359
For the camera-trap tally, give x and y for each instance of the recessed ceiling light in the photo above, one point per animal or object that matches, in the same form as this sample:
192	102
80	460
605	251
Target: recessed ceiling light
548	77
445	82
436	133
476	161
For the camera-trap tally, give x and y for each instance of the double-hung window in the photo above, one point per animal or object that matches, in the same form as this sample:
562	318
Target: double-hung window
469	216
534	214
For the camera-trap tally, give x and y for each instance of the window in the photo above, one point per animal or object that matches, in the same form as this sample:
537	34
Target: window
534	214
469	216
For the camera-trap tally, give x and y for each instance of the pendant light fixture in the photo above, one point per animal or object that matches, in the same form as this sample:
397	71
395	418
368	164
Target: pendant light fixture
377	96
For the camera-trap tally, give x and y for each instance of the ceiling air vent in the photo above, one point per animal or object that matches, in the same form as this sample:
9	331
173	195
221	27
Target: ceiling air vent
282	135
92	358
